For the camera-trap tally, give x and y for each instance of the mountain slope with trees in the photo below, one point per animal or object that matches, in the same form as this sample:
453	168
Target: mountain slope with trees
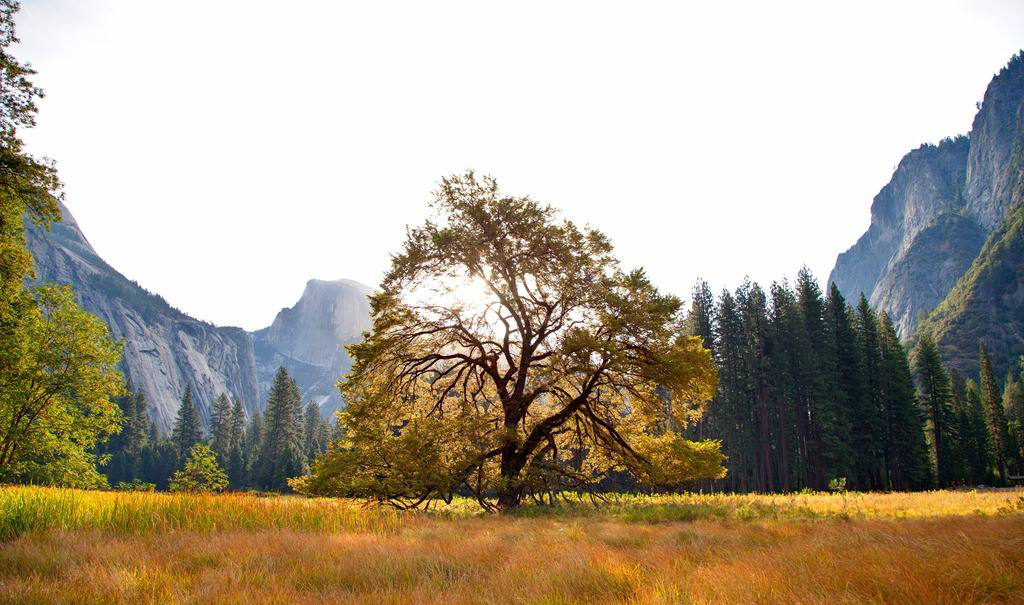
945	249
167	351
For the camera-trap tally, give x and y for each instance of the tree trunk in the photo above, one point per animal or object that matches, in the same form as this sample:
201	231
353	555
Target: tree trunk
510	494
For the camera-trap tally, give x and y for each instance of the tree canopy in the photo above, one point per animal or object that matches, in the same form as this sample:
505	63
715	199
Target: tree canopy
201	472
511	355
55	396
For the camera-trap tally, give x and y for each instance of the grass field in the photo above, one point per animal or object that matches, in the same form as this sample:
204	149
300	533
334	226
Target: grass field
66	546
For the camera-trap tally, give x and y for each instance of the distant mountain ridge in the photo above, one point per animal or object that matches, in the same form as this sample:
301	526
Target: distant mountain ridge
165	349
936	219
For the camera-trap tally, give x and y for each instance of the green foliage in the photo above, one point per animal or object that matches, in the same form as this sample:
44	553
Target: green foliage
55	395
995	416
28	187
188	429
936	400
201	472
811	391
317	432
1013	404
977	441
907	452
282	454
220	428
868	418
237	454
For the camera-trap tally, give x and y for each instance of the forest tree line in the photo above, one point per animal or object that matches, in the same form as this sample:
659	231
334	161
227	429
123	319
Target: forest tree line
259	451
813	393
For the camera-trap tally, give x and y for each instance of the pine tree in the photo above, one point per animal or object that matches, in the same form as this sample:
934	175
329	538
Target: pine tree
187	429
783	363
237	423
935	398
1013	404
978	444
126	448
250	451
220	429
701	319
701	322
909	467
316	431
870	418
995	417
732	400
159	460
825	430
281	454
847	382
236	456
960	448
753	307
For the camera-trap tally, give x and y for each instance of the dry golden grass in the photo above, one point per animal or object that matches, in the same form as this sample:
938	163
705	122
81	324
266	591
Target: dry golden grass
947	554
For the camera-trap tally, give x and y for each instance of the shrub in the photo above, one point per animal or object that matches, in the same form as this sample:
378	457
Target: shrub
201	473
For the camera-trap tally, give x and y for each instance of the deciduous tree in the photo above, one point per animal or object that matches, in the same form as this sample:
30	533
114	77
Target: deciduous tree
55	396
201	472
511	355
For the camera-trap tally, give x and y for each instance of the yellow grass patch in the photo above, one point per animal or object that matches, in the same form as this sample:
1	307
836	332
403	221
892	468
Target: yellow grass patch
895	548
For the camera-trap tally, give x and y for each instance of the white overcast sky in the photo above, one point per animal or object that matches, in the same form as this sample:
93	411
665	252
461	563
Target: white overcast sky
223	153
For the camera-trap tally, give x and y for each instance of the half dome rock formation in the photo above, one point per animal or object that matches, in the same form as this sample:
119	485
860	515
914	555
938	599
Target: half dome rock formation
309	339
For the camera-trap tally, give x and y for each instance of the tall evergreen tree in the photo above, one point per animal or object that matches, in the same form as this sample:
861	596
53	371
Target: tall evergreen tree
995	417
701	322
870	418
753	307
317	433
281	454
126	448
733	390
236	456
935	397
237	423
847	382
961	446
979	447
187	428
1013	404
909	467
250	450
783	363
701	319
220	429
825	430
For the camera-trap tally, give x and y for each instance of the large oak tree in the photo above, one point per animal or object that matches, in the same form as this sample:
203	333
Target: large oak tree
512	357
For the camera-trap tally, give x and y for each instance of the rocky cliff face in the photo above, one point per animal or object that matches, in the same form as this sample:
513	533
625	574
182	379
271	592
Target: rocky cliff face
165	349
927	183
987	302
917	280
988	190
930	221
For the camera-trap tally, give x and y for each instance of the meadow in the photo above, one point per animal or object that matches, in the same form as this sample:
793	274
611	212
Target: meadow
69	546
